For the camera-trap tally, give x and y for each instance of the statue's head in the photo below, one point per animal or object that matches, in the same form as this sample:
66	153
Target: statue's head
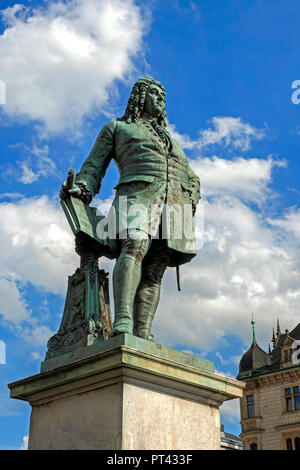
142	96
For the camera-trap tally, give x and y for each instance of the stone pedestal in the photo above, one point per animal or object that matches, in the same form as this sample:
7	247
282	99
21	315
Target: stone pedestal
126	393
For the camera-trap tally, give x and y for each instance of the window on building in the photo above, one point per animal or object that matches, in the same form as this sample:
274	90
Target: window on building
288	399
289	444
292	398
253	446
287	354
296	393
250	406
293	444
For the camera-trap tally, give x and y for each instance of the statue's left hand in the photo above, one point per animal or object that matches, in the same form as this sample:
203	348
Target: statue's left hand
77	189
74	191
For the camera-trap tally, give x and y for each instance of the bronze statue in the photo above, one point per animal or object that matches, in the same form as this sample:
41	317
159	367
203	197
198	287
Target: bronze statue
154	176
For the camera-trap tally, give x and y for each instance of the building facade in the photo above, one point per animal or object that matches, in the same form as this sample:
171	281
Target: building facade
270	407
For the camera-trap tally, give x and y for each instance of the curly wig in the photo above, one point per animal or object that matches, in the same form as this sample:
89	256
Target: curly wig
136	102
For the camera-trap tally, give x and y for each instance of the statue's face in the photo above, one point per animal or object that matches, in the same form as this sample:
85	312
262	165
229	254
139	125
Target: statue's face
154	101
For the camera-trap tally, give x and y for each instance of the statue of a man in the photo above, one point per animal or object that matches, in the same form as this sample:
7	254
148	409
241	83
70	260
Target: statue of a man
154	174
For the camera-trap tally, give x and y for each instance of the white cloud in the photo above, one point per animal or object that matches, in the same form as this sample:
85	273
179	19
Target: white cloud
230	411
39	165
248	179
10	196
12	306
36	355
37	335
221	359
9	13
227	131
28	175
39	246
59	61
24	445
289	222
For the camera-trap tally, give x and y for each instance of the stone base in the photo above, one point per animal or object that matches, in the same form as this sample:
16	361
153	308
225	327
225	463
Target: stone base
126	393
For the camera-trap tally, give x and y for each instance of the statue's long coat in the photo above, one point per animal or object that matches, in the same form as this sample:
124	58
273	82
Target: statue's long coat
150	174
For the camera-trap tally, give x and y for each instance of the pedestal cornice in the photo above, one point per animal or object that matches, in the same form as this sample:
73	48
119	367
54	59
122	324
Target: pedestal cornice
128	359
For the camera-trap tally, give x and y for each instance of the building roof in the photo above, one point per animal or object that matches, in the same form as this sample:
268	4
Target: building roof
230	441
256	361
295	333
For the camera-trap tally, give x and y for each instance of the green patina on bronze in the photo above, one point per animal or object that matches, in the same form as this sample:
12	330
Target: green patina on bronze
154	172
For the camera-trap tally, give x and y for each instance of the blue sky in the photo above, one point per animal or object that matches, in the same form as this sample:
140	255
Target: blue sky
228	68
